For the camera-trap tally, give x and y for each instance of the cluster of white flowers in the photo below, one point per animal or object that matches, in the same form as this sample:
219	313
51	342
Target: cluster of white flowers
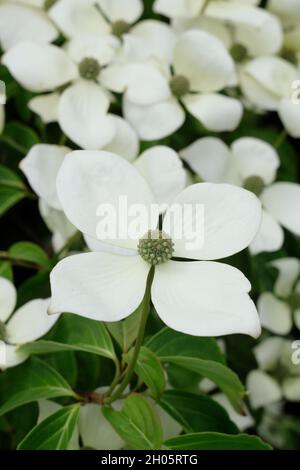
119	85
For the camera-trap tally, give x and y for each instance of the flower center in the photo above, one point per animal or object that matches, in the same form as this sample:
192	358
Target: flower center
156	247
179	85
238	52
255	184
89	68
120	27
2	331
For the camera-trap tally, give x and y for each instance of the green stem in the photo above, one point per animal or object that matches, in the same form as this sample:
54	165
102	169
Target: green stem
280	139
145	308
115	380
205	5
5	256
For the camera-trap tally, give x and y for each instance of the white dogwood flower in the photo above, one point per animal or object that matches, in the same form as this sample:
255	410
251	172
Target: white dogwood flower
270	84
81	108
200	298
77	17
245	29
26	324
251	163
153	96
277	377
22	21
277	310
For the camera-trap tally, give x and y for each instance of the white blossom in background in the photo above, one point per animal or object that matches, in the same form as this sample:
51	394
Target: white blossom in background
153	96
24	325
288	11
214	296
270	84
245	29
251	163
277	310
277	377
81	108
25	21
242	421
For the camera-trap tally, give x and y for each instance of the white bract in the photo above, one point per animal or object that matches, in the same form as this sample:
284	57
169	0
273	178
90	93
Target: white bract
277	377
22	21
251	163
160	166
26	324
81	107
153	96
272	84
277	310
77	17
203	298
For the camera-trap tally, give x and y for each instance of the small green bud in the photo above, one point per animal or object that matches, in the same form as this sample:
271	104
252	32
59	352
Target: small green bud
238	52
179	85
255	184
2	331
89	68
156	247
120	27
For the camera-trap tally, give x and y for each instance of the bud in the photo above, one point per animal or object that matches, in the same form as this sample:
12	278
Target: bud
89	68
156	247
179	85
255	184
120	27
238	52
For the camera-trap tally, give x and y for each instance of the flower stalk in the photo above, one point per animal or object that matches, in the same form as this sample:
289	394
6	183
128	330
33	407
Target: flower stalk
145	309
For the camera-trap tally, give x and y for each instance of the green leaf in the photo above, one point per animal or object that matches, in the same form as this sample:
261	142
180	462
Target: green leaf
27	251
36	286
125	331
221	375
37	381
136	423
168	342
6	270
12	189
216	441
54	433
8	198
196	413
149	369
19	137
75	333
